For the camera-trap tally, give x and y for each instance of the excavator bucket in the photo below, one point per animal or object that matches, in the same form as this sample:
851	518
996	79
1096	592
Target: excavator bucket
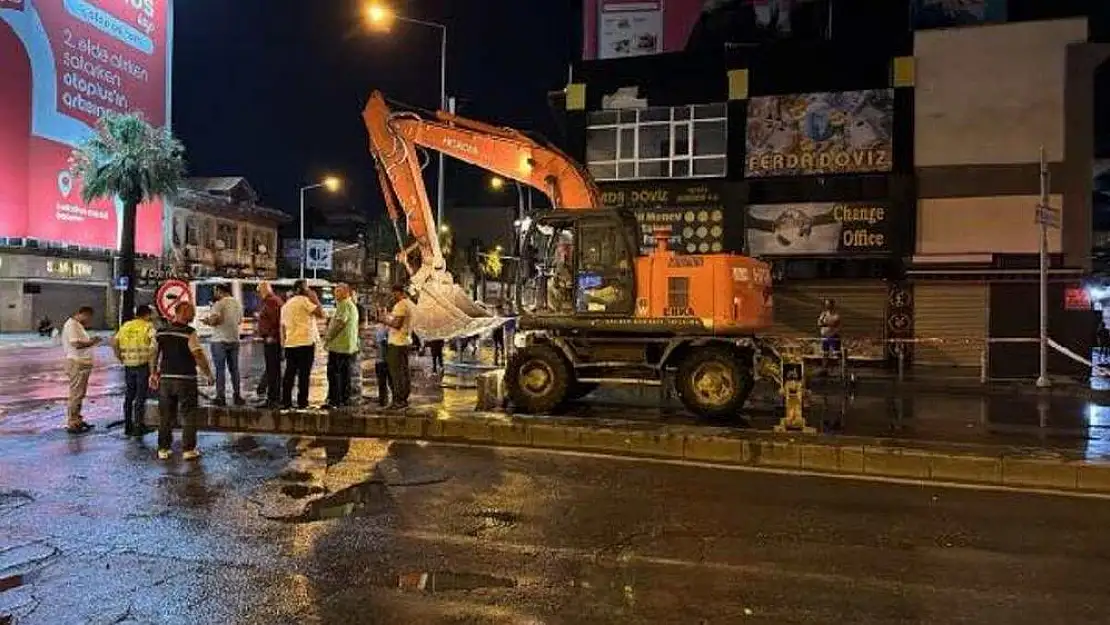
444	311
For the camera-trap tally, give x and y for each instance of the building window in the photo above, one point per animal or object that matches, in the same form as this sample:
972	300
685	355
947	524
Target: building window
660	142
227	233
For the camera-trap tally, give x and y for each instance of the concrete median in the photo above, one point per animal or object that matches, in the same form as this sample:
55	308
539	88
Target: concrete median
861	456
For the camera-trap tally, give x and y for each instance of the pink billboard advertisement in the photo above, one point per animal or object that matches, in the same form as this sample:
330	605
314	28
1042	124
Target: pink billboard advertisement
623	28
67	63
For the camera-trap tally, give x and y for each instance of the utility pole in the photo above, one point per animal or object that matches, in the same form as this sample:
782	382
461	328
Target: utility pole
1047	217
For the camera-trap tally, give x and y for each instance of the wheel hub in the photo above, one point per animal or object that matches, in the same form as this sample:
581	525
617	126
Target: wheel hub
713	384
536	377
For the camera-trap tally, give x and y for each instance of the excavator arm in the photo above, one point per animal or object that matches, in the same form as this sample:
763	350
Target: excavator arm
394	138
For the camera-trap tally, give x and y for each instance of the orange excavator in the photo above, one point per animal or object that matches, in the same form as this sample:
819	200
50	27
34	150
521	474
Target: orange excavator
593	311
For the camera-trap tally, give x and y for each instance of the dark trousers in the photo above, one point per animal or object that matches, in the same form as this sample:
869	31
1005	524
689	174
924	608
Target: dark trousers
436	347
134	398
177	403
397	358
381	371
298	368
339	378
225	358
271	379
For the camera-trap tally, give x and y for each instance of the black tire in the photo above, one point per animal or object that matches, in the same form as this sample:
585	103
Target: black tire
734	382
537	379
578	390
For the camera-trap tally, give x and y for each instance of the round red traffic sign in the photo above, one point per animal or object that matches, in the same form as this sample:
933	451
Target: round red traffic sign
169	295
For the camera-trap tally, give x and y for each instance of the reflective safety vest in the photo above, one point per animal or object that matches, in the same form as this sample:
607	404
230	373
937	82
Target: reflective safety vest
136	342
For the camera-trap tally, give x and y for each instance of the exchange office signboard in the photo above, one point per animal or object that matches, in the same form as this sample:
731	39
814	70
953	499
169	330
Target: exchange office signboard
818	229
814	134
699	214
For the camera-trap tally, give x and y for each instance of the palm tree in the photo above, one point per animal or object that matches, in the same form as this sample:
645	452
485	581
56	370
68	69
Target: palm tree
128	159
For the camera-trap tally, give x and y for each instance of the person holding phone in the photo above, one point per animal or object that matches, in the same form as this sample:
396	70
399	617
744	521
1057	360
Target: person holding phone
78	347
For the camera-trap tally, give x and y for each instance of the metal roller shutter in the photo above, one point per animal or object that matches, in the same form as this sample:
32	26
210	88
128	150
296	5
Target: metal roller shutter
862	305
59	301
955	311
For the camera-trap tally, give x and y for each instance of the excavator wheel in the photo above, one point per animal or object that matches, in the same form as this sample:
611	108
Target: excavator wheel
714	382
537	379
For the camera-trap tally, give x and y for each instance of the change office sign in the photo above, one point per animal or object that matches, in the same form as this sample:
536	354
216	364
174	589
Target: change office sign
813	134
817	229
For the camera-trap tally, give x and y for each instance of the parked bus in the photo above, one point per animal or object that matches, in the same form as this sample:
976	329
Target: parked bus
246	291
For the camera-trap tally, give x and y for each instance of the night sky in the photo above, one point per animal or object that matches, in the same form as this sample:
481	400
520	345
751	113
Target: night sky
273	89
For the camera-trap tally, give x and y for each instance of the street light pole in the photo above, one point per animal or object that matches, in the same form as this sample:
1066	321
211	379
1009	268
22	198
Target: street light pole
331	184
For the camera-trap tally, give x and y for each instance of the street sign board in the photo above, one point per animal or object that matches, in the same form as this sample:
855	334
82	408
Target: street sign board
169	295
1048	216
121	283
319	254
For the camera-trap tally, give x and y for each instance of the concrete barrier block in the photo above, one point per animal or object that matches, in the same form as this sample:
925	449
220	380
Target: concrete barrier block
1094	476
960	468
784	454
1041	473
491	390
851	459
654	444
405	427
820	458
555	436
376	426
462	429
604	440
717	449
515	434
895	462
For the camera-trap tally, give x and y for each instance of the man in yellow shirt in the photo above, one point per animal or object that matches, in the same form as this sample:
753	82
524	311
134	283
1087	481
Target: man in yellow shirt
133	345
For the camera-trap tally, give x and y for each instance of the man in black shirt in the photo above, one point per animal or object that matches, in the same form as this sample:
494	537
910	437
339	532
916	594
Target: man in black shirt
173	368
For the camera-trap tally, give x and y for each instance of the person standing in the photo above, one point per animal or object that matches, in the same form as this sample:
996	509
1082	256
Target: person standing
299	336
436	348
381	367
173	371
133	345
341	341
269	332
828	323
400	342
78	348
226	319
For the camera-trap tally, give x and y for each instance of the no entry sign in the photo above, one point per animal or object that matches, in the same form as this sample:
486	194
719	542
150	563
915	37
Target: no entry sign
169	295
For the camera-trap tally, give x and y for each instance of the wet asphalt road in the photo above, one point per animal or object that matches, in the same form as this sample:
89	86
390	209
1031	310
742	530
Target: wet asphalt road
274	531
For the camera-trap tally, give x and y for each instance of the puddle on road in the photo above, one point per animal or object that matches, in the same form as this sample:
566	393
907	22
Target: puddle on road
300	491
13	581
450	581
293	475
366	499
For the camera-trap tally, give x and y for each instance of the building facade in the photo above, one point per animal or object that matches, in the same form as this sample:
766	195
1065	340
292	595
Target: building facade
899	178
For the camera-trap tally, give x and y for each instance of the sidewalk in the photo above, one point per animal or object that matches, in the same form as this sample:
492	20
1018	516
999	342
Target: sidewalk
32	340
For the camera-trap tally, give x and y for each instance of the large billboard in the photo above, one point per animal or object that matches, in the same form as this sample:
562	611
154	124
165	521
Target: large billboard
65	64
817	229
700	214
820	133
623	28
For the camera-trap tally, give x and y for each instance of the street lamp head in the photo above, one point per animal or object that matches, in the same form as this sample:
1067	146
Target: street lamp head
445	229
497	183
378	15
331	183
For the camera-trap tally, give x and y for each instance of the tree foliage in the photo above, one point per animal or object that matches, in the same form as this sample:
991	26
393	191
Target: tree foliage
129	158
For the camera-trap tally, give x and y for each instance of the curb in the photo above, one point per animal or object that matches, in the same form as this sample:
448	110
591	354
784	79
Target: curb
858	456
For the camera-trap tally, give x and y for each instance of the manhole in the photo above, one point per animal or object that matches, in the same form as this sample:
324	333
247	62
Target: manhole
451	581
366	499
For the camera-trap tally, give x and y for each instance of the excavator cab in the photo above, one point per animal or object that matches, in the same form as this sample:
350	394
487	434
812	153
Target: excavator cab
580	263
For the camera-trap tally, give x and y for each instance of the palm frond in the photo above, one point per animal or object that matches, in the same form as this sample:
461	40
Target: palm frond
129	158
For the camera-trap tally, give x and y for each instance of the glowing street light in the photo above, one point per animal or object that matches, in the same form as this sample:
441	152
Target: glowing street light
379	15
497	183
332	184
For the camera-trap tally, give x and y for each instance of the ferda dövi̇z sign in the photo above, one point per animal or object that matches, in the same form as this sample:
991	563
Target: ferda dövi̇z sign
820	133
695	212
817	229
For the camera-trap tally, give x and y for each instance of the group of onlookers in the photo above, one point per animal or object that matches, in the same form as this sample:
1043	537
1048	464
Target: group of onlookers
169	359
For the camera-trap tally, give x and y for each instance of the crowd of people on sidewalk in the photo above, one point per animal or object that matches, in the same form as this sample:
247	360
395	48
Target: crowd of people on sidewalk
166	359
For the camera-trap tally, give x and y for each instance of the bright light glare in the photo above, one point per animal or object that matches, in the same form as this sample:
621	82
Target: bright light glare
526	165
497	183
378	15
331	183
445	228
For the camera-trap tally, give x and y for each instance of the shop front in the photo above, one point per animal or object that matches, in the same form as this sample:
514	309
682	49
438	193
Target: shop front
35	287
821	251
704	216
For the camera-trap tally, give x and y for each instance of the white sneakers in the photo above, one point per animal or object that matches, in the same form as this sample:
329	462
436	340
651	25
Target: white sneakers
166	454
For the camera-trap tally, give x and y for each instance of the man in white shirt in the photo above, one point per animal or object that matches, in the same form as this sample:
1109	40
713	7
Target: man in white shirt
78	347
299	335
225	319
399	342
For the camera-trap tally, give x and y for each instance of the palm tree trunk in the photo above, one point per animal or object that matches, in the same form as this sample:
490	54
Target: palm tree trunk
127	257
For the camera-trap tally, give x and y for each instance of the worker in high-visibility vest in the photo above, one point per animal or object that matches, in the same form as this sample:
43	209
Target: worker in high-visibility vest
134	346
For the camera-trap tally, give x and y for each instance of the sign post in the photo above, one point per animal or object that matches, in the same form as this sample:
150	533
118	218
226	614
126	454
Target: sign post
1047	217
